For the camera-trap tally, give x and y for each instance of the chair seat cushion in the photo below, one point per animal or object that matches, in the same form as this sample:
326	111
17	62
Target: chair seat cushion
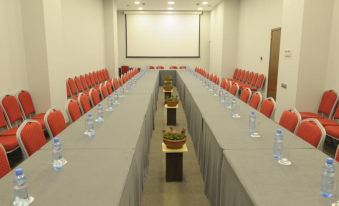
9	132
306	115
9	142
333	131
327	122
39	116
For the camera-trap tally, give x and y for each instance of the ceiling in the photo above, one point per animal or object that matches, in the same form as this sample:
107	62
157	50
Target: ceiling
163	5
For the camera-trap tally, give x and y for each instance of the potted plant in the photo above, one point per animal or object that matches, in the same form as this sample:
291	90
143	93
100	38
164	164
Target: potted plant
168	79
174	139
168	87
172	101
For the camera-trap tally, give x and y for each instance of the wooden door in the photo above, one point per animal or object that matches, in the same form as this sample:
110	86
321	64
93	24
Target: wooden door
274	63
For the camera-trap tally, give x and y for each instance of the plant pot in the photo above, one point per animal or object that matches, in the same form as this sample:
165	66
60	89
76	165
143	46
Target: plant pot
172	103
168	82
174	144
168	88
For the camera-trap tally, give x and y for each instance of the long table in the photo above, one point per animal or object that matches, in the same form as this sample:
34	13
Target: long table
231	161
107	169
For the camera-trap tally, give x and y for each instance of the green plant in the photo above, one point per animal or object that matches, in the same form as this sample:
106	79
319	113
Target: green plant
172	98
173	135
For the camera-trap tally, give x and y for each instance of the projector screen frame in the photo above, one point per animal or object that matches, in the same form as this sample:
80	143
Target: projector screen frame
162	57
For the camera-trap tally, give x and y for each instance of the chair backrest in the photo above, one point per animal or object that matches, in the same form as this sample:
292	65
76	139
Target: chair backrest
94	82
244	79
336	156
246	95
255	100
254	80
336	114
173	67
235	73
94	96
30	136
250	77
268	107
88	80
4	164
83	82
242	74
328	101
68	91
106	74
290	119
96	77
160	67
237	77
3	121
234	89
108	85
312	132
182	67
12	110
26	103
151	67
103	91
73	110
260	81
84	102
55	122
78	83
72	86
100	76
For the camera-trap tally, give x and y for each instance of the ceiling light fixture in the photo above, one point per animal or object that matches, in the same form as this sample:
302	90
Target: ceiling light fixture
137	2
170	8
200	9
171	2
140	8
204	3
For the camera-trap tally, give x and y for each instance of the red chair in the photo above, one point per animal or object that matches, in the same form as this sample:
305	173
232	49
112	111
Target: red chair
244	79
55	122
28	109
73	110
329	122
84	102
173	67
333	131
84	83
4	164
94	96
259	83
79	85
326	106
234	89
242	74
182	67
89	81
31	137
235	73
93	80
246	95
7	135
255	100
12	110
103	91
160	67
254	80
237	77
108	85
290	119
68	91
312	132
250	78
268	107
96	77
72	86
106	73
151	67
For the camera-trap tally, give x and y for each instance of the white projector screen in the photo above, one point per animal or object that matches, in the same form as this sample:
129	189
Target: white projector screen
162	35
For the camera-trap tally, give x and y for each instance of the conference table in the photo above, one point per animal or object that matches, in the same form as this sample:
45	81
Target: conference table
111	167
107	169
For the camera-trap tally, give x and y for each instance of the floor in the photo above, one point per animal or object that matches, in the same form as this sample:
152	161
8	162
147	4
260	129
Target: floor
157	191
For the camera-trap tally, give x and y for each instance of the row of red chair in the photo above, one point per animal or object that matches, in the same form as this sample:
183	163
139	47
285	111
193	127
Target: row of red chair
254	81
84	83
162	67
309	129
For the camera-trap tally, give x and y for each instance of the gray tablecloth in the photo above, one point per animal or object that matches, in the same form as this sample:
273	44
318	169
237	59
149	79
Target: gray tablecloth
107	169
253	177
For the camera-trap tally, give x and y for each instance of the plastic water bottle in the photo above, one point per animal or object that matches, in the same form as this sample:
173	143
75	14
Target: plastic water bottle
221	95
100	110
216	90
116	97
90	126
251	123
234	109
278	145
110	104
327	187
227	102
57	155
20	188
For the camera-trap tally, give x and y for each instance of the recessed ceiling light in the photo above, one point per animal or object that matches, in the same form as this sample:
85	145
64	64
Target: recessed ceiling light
140	8
171	2
204	3
137	2
200	8
170	8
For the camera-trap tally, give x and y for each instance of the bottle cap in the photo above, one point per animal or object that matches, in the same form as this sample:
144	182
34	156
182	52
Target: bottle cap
252	112
329	161
234	100
90	115
279	131
19	172
56	140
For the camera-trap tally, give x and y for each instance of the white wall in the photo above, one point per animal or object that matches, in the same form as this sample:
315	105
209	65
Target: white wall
204	46
12	52
257	19
216	39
